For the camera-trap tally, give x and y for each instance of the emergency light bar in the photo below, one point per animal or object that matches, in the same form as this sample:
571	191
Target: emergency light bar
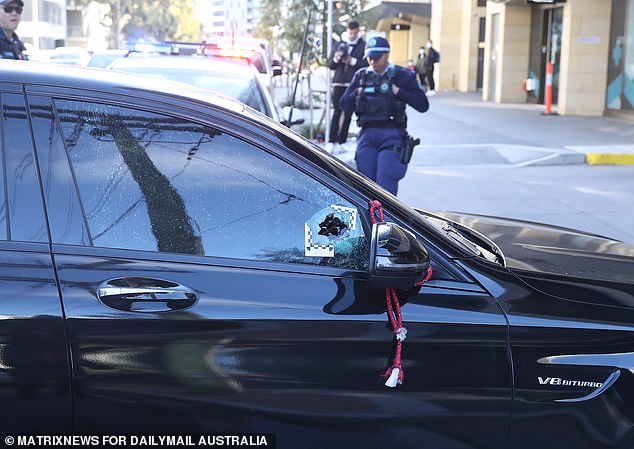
227	52
149	47
168	48
219	49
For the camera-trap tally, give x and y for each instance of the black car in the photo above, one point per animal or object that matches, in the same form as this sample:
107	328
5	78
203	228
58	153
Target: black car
173	263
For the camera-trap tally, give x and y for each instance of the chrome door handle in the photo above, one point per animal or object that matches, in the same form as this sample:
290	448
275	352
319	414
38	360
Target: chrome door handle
136	294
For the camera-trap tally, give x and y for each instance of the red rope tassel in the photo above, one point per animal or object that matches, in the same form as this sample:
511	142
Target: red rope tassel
394	374
426	278
376	206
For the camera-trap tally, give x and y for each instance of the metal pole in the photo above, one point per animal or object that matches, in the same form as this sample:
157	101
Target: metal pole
299	69
310	108
328	89
36	21
117	37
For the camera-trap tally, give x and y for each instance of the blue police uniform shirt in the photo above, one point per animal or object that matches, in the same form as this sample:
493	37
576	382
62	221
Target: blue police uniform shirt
405	80
11	48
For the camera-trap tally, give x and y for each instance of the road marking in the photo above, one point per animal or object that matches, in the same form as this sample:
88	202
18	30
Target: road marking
609	159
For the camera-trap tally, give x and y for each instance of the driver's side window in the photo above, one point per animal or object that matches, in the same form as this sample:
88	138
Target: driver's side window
158	183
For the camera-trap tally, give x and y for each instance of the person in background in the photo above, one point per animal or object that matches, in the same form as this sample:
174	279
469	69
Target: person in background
420	66
11	47
378	94
345	60
431	58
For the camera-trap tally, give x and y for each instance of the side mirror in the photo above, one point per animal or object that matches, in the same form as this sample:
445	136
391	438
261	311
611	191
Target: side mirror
397	258
296	119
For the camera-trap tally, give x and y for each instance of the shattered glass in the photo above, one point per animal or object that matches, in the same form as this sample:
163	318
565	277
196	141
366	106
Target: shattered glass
158	183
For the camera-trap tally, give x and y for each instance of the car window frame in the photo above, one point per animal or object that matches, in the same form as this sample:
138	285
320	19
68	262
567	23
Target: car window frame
264	94
267	139
269	146
37	195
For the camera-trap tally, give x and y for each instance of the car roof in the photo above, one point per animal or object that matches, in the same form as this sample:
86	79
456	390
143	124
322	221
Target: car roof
56	80
231	77
69	53
70	50
44	74
101	58
51	79
203	63
111	51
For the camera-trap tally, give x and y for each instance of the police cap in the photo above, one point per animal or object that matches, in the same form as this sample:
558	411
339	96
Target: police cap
9	2
376	46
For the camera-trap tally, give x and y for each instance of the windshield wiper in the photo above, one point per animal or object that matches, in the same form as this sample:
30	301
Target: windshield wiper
474	242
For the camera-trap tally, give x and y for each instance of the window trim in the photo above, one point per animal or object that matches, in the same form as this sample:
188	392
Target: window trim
265	139
271	148
17	90
211	261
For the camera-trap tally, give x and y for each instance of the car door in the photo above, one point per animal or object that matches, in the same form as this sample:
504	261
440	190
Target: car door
34	367
213	283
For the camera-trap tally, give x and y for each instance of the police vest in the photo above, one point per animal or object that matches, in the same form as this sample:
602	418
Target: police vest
11	49
376	105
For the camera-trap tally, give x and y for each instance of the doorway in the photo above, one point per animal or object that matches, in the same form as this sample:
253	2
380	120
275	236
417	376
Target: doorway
399	40
493	65
481	46
552	26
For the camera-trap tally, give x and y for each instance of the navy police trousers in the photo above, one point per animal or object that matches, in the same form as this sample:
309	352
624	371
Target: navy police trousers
376	158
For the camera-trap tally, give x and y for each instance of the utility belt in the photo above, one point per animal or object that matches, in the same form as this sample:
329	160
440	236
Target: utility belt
379	124
406	148
374	121
380	112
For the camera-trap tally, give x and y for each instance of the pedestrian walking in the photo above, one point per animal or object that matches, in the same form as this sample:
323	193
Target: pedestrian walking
345	60
11	47
420	66
431	58
378	94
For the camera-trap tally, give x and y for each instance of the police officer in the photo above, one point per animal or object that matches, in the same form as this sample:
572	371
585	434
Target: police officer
378	94
345	60
11	47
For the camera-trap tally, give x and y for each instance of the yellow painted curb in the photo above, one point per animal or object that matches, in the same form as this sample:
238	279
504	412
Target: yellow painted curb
609	159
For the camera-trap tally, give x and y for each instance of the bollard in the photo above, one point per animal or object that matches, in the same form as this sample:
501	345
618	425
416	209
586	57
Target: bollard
548	93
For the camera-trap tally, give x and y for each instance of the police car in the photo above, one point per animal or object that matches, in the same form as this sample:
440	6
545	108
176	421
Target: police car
226	76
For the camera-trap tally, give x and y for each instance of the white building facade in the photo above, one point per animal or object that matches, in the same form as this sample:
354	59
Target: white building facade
229	17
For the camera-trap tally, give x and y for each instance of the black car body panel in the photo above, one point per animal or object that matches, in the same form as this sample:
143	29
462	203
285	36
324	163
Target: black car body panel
237	360
563	262
542	248
34	360
178	289
582	285
34	364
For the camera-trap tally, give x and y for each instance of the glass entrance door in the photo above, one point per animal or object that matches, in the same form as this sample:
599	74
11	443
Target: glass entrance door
551	49
620	90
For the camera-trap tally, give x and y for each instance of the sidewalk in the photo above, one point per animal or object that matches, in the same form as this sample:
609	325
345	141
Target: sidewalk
509	160
461	129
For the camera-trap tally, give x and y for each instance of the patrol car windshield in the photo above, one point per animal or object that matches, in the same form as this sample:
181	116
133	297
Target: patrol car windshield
244	89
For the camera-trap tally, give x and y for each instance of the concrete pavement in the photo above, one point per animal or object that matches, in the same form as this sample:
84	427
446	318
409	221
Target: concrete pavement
510	160
461	129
